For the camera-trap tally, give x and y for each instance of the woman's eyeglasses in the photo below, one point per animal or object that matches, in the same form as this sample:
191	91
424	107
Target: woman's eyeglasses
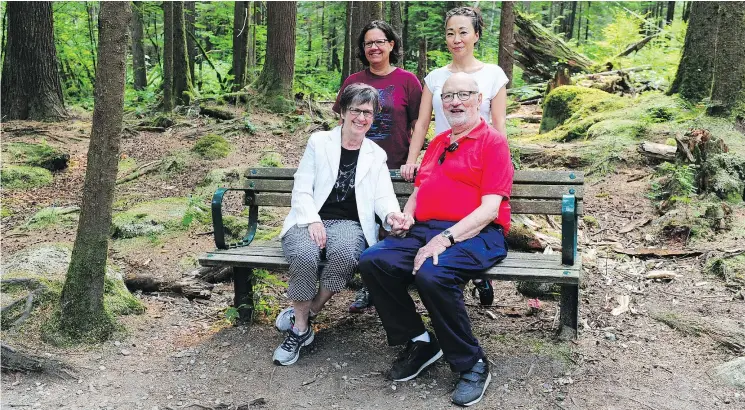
365	113
378	43
462	95
450	148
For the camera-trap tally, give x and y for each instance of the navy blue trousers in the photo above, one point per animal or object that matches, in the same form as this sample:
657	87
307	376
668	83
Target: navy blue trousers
386	269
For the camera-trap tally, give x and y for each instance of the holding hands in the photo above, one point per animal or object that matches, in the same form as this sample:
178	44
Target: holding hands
318	234
400	223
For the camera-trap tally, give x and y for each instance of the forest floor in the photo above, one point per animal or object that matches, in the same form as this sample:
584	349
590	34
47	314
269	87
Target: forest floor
183	354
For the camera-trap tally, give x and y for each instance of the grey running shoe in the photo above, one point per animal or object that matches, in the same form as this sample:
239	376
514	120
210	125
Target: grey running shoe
286	319
362	301
472	384
289	351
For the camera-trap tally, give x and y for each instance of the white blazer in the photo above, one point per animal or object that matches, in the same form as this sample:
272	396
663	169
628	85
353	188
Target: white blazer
316	176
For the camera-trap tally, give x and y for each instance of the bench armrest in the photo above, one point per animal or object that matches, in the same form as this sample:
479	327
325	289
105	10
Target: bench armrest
217	224
568	229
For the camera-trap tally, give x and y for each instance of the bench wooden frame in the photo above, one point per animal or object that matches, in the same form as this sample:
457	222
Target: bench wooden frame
533	192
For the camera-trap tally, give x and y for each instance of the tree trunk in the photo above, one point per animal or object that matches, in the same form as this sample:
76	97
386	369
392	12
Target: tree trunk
686	11
167	56
139	70
240	44
670	12
31	88
190	14
728	90
182	87
587	21
82	312
696	67
421	68
335	63
406	48
507	39
251	58
279	67
346	62
570	24
395	18
90	11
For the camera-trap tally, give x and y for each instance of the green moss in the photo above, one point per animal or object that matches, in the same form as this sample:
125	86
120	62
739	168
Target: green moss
724	174
5	212
118	300
727	268
36	155
155	217
619	128
591	221
271	160
53	215
212	146
126	166
24	177
221	177
566	103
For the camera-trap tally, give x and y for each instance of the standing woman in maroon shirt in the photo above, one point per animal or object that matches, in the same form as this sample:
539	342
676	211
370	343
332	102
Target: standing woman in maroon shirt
378	48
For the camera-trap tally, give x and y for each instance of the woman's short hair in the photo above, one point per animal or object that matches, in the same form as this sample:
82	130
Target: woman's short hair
472	13
390	35
357	94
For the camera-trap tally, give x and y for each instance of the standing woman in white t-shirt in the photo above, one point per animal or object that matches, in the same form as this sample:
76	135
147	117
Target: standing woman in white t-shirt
463	27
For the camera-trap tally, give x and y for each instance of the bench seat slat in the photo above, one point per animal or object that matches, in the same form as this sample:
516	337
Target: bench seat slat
526	176
519	191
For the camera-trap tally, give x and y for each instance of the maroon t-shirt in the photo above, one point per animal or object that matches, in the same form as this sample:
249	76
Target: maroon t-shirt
400	93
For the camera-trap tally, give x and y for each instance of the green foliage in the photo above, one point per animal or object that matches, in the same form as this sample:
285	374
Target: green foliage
675	183
728	268
212	146
267	303
571	103
52	216
36	155
271	159
24	177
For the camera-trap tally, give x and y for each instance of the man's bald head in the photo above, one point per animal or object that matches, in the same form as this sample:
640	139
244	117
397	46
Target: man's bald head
460	102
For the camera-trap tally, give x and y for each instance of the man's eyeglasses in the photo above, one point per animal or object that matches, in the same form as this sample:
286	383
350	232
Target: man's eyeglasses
450	148
365	113
462	95
378	43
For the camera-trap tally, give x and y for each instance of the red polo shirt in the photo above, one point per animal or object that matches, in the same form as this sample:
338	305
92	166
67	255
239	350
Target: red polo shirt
480	166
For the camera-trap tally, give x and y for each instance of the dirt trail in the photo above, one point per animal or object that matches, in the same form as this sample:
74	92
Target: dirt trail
183	355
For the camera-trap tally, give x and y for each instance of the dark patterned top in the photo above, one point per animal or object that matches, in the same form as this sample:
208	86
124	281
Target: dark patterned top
342	202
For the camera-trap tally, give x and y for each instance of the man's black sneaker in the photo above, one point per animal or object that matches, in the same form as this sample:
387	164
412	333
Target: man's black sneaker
486	292
415	358
472	384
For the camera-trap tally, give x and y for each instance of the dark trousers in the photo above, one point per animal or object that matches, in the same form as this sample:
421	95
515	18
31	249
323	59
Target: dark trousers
387	267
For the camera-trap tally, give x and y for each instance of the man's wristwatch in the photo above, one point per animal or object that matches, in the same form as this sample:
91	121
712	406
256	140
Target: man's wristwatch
446	233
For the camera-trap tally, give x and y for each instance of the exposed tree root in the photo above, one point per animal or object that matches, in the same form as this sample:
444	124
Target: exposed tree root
15	361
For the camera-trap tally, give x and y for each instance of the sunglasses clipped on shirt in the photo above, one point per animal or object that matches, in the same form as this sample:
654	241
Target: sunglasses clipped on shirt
462	95
450	148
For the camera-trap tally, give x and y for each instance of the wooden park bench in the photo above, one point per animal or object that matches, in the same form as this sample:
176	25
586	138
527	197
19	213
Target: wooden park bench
533	192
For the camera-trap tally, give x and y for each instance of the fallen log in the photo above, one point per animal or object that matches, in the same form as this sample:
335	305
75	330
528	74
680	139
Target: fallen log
637	46
657	252
139	171
533	119
190	287
657	151
216	113
539	52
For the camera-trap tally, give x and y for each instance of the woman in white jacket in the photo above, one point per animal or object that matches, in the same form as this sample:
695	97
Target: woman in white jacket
342	182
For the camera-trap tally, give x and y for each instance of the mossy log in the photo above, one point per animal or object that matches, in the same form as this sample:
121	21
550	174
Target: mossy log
539	52
216	113
192	288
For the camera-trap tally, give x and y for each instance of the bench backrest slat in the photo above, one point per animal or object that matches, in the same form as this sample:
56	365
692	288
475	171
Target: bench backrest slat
533	192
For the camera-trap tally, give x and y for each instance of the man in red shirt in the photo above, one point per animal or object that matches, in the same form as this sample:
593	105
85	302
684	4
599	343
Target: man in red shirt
462	210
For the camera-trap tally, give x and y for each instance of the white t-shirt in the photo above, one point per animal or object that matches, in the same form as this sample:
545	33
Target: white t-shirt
490	79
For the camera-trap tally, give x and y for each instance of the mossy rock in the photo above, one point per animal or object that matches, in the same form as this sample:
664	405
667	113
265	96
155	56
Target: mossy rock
155	217
222	176
36	155
568	102
728	268
212	146
627	129
724	175
54	215
47	263
24	177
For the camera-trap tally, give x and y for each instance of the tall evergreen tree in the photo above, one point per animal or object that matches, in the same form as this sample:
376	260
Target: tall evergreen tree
82	312
728	82
138	52
182	87
277	74
240	43
31	88
507	39
167	56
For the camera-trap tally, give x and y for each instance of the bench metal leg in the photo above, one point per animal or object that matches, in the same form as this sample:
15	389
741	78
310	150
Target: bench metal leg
244	295
569	314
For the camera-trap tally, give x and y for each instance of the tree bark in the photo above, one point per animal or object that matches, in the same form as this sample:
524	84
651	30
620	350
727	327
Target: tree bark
686	11
421	68
31	88
167	56
570	23
405	38
190	15
670	12
728	90
182	87
251	59
395	18
138	52
507	40
90	11
279	67
346	62
240	44
82	312
693	78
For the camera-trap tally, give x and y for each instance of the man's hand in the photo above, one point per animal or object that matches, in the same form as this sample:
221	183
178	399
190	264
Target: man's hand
400	223
408	171
318	234
433	248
